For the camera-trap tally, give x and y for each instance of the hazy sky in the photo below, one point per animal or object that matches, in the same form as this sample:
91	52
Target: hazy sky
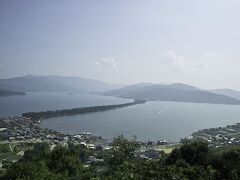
189	41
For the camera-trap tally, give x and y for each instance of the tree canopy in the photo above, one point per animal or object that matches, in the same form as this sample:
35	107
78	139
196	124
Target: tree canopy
193	160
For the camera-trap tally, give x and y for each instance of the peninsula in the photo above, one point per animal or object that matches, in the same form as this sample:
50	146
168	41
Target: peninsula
10	93
37	116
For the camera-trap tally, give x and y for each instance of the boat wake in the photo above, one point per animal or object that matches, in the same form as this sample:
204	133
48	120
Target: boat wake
163	110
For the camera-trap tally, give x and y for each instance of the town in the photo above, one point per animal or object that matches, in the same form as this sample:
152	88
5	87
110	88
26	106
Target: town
222	136
18	134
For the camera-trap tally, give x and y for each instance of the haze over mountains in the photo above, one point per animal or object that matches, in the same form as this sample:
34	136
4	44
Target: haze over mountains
172	92
228	92
32	83
147	91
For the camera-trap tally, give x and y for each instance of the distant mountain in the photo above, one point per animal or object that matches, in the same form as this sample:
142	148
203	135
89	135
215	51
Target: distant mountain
127	89
172	92
136	88
228	92
32	83
10	93
181	86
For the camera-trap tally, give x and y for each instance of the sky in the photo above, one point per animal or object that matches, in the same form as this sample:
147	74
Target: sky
123	41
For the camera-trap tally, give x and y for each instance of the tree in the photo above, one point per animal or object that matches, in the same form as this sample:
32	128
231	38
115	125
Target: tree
194	153
122	150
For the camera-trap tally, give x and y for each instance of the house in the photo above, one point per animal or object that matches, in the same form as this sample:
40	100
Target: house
83	144
91	146
107	148
11	139
152	154
99	148
93	159
77	136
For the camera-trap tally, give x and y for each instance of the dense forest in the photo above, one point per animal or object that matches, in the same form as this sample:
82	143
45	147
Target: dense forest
193	160
68	112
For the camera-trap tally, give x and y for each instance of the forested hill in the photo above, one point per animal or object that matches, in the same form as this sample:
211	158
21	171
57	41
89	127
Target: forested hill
173	92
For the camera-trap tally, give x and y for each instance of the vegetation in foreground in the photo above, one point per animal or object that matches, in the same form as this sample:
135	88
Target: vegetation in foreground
193	160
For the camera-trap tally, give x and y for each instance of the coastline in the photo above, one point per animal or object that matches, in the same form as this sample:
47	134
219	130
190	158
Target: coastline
36	133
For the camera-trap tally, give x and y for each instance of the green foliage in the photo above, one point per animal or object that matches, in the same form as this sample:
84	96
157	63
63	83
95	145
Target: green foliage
32	170
40	151
193	153
16	148
4	148
122	150
6	163
41	163
228	163
192	161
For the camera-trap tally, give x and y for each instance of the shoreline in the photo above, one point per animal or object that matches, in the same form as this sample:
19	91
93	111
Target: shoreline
37	117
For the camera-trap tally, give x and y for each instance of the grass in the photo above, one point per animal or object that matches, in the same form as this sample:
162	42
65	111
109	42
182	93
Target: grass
10	156
237	135
168	148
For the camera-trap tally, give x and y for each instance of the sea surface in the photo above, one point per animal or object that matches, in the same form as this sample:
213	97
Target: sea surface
150	121
34	102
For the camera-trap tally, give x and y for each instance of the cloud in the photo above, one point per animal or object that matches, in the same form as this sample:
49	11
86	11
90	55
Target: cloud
185	64
176	60
107	62
206	60
98	63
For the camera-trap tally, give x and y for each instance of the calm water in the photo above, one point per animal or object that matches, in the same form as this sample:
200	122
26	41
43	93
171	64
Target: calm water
150	121
16	105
